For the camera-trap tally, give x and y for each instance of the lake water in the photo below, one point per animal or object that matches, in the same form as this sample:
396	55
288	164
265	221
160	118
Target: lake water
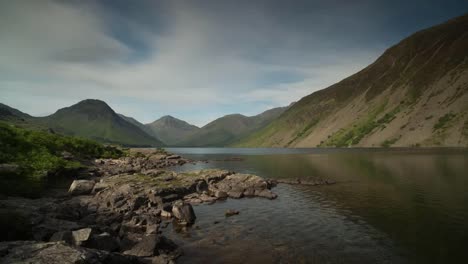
388	206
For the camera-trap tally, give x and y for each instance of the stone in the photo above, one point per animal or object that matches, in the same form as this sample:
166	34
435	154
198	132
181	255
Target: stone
266	194
173	157
100	186
57	253
147	247
103	241
67	155
235	194
166	214
81	236
183	212
8	168
220	194
65	236
81	187
231	212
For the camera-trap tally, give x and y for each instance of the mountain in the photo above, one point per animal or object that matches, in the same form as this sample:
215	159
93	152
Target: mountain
229	129
170	129
11	114
414	94
138	124
94	119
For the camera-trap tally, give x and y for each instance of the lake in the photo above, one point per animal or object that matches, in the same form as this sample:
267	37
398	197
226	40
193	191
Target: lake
388	206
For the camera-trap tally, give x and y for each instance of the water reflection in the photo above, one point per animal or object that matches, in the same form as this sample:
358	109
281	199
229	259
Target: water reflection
392	206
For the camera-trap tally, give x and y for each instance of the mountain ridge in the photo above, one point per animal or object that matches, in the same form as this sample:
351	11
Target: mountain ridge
401	99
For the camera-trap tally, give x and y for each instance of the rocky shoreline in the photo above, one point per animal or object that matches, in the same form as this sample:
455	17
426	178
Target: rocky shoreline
117	211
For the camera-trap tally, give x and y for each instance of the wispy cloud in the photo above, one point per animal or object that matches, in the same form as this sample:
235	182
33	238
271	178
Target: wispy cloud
194	59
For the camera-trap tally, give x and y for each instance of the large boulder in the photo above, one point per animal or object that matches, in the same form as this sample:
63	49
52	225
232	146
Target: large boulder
81	187
183	212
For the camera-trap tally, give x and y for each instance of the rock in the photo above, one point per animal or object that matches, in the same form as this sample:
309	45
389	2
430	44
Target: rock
100	186
173	157
166	214
167	178
66	155
57	253
220	194
266	194
81	236
231	212
8	168
201	187
103	241
151	245
80	187
235	194
183	212
65	236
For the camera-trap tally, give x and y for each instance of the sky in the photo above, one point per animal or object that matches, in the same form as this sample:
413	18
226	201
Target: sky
196	60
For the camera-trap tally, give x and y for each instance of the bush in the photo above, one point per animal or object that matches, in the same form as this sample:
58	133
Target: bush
40	152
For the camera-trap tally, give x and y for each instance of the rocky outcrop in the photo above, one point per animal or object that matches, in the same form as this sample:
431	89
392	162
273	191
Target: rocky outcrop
309	182
149	162
118	218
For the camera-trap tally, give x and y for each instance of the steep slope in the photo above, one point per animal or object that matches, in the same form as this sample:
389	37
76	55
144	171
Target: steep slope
8	113
415	94
170	129
229	129
96	120
138	124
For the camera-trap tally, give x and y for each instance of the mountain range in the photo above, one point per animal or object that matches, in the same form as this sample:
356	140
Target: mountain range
414	94
96	120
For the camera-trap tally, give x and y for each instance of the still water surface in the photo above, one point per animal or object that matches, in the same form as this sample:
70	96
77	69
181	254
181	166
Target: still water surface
389	206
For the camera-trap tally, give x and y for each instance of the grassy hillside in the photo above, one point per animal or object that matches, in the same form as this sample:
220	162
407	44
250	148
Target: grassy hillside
170	129
398	100
40	152
229	129
92	119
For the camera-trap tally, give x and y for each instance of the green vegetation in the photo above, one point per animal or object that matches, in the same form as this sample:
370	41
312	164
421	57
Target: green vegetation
444	120
354	134
305	131
40	152
388	142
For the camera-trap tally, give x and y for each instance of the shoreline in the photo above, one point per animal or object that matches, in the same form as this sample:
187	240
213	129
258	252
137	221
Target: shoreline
118	212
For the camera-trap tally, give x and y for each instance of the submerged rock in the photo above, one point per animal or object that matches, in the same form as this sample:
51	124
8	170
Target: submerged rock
151	245
183	212
231	212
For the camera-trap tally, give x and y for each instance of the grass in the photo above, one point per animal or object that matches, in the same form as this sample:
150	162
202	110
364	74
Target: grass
356	132
40	152
443	121
389	142
304	132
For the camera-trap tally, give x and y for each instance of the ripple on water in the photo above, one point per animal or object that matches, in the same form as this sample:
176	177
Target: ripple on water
298	227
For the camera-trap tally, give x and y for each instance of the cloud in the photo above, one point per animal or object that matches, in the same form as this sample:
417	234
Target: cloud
193	59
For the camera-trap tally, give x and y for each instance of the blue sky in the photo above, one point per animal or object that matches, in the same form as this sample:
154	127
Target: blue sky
196	60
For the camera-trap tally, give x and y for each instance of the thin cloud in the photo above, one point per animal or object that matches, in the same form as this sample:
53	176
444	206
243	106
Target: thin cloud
194	59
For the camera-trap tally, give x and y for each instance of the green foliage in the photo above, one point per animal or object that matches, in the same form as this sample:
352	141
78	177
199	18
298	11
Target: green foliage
354	134
305	131
40	152
388	142
444	120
